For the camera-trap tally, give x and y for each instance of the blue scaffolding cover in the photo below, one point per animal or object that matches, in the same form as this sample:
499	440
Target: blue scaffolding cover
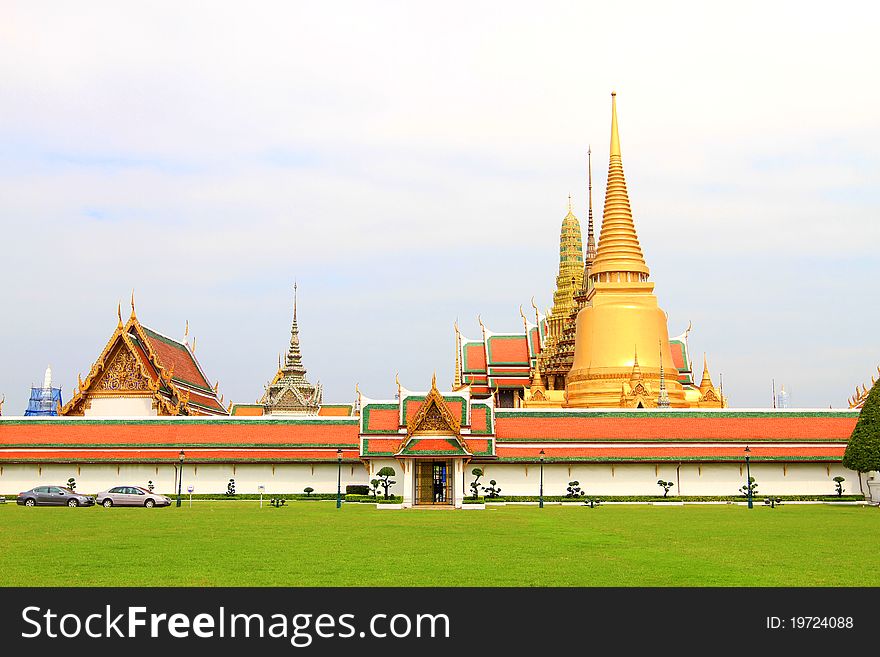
44	401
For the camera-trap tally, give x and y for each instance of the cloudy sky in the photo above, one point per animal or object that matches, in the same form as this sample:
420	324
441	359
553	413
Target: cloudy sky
409	164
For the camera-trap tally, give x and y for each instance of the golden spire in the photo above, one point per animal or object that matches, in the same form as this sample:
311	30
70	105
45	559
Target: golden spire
133	315
569	204
636	371
619	250
706	383
434	381
119	314
186	332
537	378
663	398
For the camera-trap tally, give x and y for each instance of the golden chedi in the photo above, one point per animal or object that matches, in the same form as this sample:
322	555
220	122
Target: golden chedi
622	317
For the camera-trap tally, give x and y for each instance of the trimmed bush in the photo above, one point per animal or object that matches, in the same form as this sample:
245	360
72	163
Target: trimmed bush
394	499
357	489
474	500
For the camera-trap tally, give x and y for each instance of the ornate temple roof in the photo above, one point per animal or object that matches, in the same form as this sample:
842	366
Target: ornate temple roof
141	362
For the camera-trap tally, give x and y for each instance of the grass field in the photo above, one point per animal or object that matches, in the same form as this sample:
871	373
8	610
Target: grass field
313	544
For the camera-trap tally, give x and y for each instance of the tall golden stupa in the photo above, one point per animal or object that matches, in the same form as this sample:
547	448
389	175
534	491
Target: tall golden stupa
622	356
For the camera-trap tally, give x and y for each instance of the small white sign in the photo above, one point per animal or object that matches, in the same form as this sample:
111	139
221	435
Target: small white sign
261	488
190	489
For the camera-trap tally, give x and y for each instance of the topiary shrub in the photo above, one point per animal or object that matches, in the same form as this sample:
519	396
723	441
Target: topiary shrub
838	485
744	491
230	488
374	487
863	449
492	490
357	489
665	485
574	489
150	485
71	484
277	502
308	490
475	484
385	475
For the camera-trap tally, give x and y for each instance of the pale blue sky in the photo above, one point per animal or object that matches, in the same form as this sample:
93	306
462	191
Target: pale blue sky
411	165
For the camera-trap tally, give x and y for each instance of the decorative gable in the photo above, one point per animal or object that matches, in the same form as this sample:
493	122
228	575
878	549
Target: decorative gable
123	373
434	429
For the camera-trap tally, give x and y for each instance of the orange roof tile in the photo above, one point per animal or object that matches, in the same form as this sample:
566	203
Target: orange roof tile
673	427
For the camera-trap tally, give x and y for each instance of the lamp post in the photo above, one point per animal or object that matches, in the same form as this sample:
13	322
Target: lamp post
748	476
338	478
541	487
180	458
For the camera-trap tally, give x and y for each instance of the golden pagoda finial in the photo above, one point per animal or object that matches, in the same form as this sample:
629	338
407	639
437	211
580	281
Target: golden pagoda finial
619	251
537	378
636	370
569	203
706	383
119	314
615	136
133	315
434	381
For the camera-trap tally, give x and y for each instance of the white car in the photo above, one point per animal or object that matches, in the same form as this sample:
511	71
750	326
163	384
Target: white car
131	496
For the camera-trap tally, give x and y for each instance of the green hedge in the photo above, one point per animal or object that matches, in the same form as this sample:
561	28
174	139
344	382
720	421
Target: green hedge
471	500
683	498
357	489
360	498
395	499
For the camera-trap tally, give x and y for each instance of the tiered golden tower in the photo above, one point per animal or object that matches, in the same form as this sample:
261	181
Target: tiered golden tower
622	316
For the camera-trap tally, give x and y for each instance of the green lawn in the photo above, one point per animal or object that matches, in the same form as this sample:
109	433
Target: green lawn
311	543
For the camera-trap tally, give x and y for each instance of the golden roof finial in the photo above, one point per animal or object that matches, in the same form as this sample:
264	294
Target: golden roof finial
706	383
186	332
569	203
434	381
636	370
193	348
133	315
619	249
119	314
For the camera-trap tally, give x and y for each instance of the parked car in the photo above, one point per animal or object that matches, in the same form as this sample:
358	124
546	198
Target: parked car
53	496
131	496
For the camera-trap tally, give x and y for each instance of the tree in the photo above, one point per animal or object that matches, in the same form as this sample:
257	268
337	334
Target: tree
863	449
374	487
475	484
308	490
744	491
492	490
665	485
230	488
71	483
385	475
574	489
150	485
838	484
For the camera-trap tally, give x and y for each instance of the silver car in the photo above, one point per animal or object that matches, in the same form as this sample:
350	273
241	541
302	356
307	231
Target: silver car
131	496
53	496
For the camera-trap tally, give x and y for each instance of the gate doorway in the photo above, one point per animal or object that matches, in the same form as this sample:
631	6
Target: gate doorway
433	483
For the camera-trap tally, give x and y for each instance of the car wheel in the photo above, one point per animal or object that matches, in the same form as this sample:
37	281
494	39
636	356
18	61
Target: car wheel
30	502
149	504
72	503
107	503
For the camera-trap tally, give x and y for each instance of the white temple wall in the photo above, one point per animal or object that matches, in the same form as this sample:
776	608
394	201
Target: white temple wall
284	478
514	479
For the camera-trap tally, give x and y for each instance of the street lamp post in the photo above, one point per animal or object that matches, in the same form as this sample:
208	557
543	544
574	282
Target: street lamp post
338	478
541	487
748	476
180	458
